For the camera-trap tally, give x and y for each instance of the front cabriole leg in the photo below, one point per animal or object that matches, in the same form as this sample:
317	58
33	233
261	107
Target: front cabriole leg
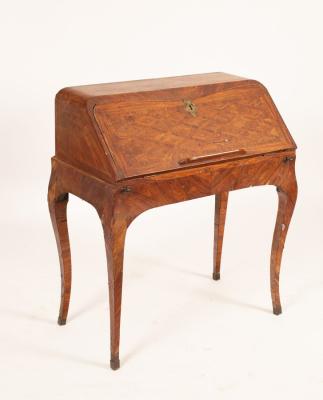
57	203
287	195
114	227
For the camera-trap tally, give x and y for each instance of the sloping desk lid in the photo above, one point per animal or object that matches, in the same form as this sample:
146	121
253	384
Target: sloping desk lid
153	132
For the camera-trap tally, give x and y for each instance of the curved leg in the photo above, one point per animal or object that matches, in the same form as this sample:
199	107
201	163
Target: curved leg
114	234
221	201
286	202
57	203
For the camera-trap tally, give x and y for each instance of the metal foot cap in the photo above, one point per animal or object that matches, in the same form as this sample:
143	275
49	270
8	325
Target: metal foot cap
61	321
277	310
115	363
216	276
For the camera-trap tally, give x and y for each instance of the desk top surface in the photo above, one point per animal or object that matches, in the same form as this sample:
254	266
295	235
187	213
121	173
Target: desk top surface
154	126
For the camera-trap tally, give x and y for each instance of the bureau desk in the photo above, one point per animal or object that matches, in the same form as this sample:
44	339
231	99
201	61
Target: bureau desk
130	146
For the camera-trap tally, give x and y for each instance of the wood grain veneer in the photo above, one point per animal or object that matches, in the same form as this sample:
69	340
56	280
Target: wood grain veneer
131	146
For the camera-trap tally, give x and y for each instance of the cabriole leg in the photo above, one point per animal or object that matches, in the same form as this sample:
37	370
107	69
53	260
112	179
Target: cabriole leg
57	203
114	235
287	195
221	201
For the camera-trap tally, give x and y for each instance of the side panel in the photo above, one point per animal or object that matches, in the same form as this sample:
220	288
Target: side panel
76	139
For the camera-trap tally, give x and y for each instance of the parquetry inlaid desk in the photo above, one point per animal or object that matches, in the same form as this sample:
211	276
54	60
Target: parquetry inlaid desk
131	146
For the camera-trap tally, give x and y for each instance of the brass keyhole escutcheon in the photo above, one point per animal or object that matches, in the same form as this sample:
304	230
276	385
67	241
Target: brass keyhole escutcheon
190	107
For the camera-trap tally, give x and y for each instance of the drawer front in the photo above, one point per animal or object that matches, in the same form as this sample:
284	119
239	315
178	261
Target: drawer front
152	136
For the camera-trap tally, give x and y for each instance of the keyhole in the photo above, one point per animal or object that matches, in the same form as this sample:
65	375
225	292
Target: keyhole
190	107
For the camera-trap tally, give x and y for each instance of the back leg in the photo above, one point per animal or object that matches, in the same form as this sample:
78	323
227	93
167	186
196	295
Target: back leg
57	203
221	201
286	202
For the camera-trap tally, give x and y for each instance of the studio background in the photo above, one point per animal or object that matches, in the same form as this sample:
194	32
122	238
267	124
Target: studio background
182	334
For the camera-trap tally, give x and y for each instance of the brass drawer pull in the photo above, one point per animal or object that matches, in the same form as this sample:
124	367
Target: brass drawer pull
211	156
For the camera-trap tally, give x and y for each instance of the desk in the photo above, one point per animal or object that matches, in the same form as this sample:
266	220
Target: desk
130	146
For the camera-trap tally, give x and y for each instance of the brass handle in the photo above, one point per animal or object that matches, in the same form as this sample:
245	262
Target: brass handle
211	156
